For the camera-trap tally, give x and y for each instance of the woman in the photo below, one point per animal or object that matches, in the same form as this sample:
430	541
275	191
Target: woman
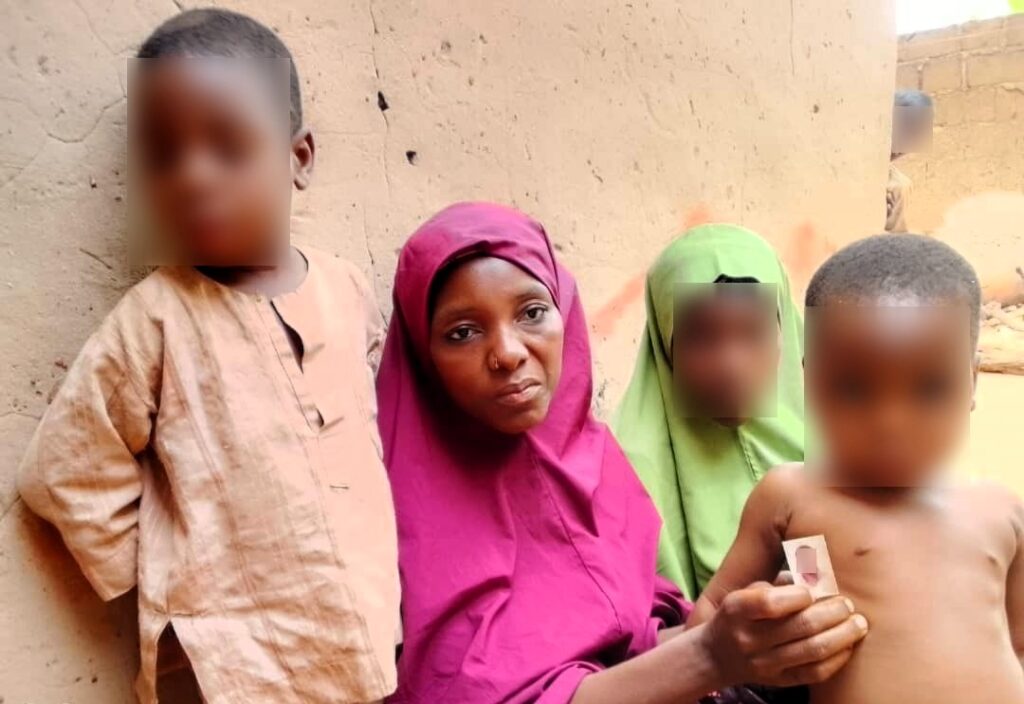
716	398
527	545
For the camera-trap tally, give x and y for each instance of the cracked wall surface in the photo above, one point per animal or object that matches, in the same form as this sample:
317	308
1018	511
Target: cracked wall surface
616	124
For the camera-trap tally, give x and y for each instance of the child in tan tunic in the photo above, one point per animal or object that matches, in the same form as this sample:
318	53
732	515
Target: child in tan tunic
912	121
215	442
936	567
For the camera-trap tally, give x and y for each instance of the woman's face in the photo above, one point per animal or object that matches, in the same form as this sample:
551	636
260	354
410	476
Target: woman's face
496	342
725	353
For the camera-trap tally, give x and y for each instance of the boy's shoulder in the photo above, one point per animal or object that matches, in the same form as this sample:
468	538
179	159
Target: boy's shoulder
788	479
986	490
994	500
782	488
337	269
349	288
146	297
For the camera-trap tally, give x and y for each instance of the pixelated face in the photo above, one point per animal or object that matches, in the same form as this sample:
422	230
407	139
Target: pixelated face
726	351
891	389
212	155
807	564
496	343
911	129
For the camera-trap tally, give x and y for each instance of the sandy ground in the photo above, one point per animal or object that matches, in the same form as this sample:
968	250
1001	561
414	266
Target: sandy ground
995	449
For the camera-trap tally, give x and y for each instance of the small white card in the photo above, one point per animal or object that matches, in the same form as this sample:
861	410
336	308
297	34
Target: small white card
811	566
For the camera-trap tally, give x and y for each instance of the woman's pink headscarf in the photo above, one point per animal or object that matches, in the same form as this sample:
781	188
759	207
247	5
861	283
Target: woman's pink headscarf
528	562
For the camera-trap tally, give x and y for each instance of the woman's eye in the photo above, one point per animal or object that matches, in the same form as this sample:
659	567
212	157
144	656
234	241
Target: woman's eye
460	334
535	313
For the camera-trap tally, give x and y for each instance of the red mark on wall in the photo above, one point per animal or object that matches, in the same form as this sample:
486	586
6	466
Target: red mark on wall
606	318
610	313
805	250
699	214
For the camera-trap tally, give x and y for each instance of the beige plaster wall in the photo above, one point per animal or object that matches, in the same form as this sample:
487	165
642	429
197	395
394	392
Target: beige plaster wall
969	189
615	123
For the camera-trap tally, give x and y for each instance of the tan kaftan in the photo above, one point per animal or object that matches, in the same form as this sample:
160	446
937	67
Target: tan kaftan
897	192
188	453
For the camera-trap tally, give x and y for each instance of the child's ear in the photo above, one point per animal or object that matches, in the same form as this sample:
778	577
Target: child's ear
303	157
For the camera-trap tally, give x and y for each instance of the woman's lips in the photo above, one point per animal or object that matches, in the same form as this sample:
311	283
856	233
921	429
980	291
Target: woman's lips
519	394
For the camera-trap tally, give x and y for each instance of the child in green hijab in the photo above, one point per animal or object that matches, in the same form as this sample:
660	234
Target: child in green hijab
716	399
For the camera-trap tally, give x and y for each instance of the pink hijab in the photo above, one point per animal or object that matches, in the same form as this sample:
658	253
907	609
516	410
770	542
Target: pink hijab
528	562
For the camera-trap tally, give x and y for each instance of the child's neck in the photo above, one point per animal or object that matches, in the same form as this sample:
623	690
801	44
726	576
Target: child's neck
833	474
270	279
892	495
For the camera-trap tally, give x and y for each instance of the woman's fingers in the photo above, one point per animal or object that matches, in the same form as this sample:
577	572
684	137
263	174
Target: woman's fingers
780	636
761	601
816	672
816	649
815	619
785	577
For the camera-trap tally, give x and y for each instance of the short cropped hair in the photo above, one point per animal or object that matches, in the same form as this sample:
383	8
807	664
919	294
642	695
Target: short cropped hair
912	99
898	265
216	32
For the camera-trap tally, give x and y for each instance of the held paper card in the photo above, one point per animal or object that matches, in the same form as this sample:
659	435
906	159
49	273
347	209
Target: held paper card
811	566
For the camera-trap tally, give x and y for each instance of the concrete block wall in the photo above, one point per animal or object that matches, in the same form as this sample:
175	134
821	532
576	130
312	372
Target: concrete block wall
616	124
975	74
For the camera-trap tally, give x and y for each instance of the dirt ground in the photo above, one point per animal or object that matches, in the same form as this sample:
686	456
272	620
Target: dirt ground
995	449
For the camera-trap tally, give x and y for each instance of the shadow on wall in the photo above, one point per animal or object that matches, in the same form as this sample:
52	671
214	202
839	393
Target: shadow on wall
805	249
988	229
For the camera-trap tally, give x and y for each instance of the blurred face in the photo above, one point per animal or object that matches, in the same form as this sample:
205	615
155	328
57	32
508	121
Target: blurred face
213	156
807	564
911	129
496	342
891	389
725	351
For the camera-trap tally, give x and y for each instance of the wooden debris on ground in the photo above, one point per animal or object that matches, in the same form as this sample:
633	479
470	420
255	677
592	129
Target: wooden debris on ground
1001	343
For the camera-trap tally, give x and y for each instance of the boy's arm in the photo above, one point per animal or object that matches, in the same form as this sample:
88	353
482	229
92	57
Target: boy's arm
756	554
375	327
1015	586
80	472
375	333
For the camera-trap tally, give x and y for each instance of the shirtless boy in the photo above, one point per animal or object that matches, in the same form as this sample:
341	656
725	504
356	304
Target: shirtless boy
936	567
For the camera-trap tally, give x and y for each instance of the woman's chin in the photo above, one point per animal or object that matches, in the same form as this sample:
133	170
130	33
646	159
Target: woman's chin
520	421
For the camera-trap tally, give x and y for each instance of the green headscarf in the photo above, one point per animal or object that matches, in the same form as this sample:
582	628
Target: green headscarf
698	472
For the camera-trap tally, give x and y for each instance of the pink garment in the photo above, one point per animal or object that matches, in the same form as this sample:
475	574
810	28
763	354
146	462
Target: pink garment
527	562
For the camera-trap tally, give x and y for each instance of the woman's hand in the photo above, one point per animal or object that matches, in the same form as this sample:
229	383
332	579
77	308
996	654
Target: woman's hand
759	635
785	577
778	636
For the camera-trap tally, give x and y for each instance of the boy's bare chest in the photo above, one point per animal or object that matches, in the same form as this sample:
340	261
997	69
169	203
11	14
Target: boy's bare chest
931	580
905	561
